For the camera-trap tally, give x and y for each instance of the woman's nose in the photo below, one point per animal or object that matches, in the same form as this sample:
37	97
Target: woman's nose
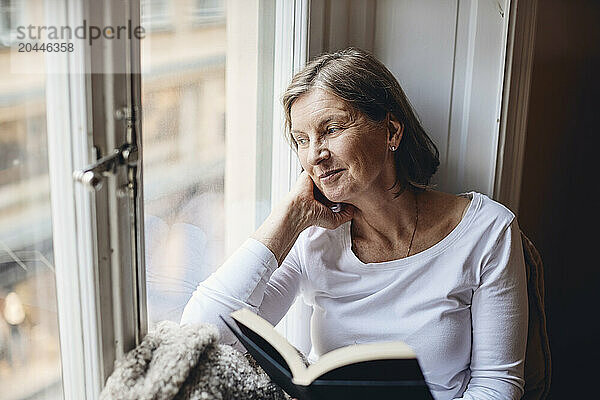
318	152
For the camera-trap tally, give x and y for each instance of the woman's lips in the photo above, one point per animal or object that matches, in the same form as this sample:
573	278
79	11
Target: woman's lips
330	176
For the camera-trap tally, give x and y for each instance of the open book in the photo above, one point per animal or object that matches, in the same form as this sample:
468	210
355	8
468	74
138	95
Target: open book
386	370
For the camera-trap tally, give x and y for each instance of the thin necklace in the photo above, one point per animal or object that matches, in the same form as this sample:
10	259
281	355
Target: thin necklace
414	230
416	222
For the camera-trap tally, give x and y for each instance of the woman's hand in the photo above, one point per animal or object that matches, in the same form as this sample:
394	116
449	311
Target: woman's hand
296	212
310	207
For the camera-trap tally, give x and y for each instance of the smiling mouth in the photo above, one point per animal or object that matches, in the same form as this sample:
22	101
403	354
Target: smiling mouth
330	174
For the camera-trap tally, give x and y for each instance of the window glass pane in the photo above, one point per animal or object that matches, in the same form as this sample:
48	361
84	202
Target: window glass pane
29	342
156	15
183	100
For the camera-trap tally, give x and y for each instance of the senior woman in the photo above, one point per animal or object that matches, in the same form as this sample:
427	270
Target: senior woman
396	260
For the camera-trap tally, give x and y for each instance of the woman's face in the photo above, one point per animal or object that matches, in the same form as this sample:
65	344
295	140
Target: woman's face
344	152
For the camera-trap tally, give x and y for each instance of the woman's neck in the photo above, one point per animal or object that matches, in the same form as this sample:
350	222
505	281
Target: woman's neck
381	217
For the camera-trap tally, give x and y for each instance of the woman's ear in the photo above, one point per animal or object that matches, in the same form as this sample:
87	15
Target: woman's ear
395	130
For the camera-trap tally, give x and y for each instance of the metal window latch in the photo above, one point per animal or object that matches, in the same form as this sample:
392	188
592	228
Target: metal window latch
93	176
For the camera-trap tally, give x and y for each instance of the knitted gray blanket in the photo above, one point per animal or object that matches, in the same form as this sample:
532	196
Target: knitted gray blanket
187	362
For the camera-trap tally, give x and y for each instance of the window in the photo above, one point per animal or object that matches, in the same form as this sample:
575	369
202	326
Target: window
29	335
207	125
214	154
183	99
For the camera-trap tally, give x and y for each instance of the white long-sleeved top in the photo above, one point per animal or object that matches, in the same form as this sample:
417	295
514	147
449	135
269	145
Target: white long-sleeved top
461	304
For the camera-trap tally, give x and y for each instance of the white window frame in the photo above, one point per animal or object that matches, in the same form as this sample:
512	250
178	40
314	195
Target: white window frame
72	210
291	41
474	127
291	49
264	116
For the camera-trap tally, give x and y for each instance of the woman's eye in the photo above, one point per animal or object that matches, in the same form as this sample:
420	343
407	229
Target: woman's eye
332	130
301	141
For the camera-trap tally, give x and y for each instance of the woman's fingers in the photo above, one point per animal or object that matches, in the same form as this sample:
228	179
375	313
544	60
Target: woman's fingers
329	219
311	203
304	184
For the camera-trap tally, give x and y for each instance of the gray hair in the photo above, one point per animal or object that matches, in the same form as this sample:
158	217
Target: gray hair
365	84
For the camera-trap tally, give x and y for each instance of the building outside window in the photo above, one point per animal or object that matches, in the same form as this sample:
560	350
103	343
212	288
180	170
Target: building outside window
157	15
11	16
208	12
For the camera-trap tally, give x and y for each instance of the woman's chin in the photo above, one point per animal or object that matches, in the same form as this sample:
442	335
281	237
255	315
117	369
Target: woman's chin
335	196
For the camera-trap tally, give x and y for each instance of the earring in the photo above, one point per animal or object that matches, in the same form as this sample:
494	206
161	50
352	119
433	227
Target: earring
393	148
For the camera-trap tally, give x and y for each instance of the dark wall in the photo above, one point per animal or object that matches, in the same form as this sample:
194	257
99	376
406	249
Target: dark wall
558	207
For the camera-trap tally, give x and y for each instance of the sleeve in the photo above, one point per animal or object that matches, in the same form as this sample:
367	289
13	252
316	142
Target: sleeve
499	312
249	278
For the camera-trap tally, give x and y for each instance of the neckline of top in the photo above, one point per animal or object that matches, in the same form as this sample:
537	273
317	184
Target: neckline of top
421	256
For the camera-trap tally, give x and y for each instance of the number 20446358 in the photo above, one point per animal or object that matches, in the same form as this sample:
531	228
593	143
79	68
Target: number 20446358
45	47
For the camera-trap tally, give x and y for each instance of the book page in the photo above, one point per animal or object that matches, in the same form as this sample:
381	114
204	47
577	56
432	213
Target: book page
353	354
